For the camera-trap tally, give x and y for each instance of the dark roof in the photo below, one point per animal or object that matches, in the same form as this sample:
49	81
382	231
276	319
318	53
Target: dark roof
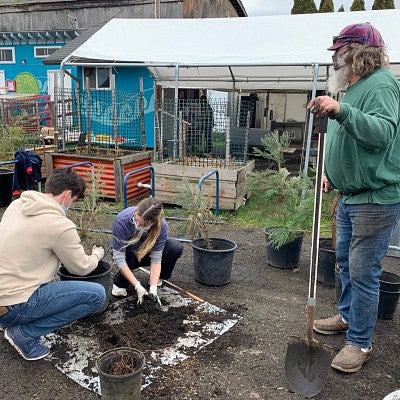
59	55
56	36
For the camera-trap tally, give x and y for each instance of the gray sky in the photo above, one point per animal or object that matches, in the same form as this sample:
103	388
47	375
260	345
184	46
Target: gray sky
276	7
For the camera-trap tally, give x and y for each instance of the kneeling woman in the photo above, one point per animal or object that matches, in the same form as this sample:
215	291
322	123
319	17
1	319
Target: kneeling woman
140	238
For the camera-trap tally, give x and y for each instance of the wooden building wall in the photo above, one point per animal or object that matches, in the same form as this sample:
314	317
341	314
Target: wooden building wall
24	15
208	9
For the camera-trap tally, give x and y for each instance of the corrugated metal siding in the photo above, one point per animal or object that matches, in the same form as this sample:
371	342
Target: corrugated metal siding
110	180
132	190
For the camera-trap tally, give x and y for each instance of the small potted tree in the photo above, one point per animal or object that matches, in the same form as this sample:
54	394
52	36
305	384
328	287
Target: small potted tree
212	257
286	199
88	211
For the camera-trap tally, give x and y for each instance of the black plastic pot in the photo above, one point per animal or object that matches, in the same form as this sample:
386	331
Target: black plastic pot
6	183
326	262
287	256
213	267
101	275
120	387
389	292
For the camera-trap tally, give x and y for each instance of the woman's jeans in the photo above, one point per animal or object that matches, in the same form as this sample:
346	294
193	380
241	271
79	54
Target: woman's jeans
364	232
172	251
54	305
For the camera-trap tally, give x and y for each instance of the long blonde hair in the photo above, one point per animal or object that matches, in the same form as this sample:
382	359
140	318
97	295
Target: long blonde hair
152	212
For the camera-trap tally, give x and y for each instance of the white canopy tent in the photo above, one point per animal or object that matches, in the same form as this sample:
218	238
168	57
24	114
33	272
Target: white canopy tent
275	52
284	52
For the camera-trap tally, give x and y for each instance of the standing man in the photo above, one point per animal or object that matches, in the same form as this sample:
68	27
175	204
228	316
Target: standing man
363	163
35	236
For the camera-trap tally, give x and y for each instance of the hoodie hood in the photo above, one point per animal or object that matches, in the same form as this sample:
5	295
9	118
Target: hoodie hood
36	203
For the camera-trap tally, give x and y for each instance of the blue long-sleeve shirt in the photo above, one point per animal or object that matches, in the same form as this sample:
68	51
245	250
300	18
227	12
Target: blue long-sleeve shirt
123	230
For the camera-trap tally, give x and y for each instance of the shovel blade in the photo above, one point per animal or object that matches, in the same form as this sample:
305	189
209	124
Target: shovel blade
307	366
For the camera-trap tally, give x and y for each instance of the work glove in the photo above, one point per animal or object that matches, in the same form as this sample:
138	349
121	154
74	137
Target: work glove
141	292
98	251
153	296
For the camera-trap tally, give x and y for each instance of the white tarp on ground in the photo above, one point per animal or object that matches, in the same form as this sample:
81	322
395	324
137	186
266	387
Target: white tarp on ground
75	348
257	52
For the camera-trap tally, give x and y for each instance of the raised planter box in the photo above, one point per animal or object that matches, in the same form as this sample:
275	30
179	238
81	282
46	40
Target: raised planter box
232	183
113	171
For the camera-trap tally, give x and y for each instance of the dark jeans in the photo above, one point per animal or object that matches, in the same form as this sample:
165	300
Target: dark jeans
172	251
364	232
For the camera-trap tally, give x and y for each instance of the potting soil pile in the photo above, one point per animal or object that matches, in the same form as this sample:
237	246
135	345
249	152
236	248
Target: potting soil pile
167	336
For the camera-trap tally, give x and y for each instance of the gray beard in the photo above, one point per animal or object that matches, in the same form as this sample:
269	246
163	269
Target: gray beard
338	80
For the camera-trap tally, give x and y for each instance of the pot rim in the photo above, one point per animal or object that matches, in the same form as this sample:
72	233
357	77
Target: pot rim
127	350
202	239
78	277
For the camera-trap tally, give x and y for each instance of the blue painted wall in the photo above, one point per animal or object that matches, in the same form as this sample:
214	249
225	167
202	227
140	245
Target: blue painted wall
127	85
29	71
31	76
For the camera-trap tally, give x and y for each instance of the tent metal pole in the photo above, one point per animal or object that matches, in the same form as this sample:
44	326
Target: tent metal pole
176	109
310	119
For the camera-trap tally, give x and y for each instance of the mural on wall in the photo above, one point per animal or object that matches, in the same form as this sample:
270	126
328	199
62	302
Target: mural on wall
127	105
27	83
102	114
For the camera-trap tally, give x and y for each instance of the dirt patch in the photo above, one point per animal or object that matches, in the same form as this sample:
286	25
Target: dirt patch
247	361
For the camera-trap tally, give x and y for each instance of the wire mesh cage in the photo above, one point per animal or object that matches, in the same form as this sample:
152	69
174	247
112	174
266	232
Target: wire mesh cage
203	132
92	121
21	118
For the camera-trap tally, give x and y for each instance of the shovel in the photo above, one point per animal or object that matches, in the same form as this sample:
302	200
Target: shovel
307	362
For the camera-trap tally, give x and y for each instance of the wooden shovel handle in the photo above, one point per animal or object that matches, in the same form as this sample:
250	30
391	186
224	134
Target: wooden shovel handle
176	287
310	323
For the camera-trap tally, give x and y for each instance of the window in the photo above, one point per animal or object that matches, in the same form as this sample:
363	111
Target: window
43	52
7	55
97	78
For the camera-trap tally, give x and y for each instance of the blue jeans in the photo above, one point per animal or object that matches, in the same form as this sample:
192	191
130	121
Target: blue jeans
364	232
54	305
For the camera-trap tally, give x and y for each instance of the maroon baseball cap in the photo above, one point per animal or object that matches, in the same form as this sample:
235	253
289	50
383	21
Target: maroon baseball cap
363	33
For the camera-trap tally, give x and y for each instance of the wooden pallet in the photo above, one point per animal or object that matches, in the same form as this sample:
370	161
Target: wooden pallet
232	183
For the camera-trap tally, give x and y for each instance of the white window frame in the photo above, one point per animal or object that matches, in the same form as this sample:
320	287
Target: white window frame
12	52
96	69
53	48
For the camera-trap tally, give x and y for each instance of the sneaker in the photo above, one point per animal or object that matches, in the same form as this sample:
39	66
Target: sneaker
118	291
27	346
350	359
330	326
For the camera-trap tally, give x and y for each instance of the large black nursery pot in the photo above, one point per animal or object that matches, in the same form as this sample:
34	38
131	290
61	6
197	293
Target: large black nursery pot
6	183
213	267
389	292
286	256
120	373
101	275
326	262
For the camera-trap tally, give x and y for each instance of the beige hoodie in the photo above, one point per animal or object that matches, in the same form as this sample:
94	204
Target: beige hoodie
35	236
